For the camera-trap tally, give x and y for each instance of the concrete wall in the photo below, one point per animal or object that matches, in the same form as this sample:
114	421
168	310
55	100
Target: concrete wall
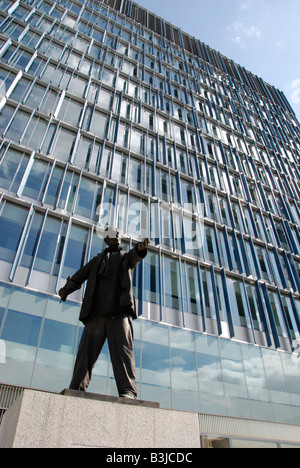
45	420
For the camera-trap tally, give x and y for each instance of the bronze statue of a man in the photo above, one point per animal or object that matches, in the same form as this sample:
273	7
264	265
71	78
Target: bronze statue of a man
107	311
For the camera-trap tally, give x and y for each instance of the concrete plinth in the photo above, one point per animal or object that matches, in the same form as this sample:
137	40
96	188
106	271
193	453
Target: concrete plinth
44	420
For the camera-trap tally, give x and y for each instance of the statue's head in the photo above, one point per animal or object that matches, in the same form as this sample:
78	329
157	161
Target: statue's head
112	238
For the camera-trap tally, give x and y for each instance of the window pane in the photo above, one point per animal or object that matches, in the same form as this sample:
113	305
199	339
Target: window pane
237	302
85	198
54	185
17	126
12	169
6	115
172	283
151	278
11	226
76	250
193	289
32	240
21	328
36	180
64	144
51	245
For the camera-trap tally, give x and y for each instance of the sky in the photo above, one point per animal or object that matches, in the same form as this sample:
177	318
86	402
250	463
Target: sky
261	35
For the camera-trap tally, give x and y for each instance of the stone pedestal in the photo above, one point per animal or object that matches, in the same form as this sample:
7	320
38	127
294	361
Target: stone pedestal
74	419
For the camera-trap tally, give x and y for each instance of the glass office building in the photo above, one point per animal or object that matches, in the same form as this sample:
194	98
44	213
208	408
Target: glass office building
111	115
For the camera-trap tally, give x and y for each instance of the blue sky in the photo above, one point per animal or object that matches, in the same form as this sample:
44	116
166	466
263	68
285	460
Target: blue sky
261	35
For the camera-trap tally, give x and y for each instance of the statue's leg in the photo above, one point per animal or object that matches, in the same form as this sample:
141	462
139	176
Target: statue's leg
120	342
91	343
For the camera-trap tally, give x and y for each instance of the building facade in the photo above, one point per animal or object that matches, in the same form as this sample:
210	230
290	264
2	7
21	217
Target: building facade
112	116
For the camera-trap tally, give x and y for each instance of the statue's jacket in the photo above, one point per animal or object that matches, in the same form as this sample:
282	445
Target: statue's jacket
109	293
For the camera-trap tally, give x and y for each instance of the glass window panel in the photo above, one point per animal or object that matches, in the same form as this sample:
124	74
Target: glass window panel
223	249
54	185
68	191
221	298
275	376
237	216
188	195
193	295
207	292
155	363
76	250
277	314
138	217
136	174
32	240
12	168
172	283
119	167
193	235
183	370
6	79
166	226
238	305
71	111
64	144
17	126
98	124
151	278
58	336
288	309
12	222
36	180
210	245
85	197
106	215
51	245
20	90
225	216
35	96
264	263
255	308
35	132
233	372
21	328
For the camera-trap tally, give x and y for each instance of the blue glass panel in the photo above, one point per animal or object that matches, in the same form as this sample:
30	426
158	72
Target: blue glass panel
11	225
58	336
21	328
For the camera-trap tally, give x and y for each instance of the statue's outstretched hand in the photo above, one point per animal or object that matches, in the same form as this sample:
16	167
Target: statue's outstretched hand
143	245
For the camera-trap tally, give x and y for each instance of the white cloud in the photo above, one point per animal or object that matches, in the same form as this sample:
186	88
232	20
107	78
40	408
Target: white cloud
241	32
296	93
244	6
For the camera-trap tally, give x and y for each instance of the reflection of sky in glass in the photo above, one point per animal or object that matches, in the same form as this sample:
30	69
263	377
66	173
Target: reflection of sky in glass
179	368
